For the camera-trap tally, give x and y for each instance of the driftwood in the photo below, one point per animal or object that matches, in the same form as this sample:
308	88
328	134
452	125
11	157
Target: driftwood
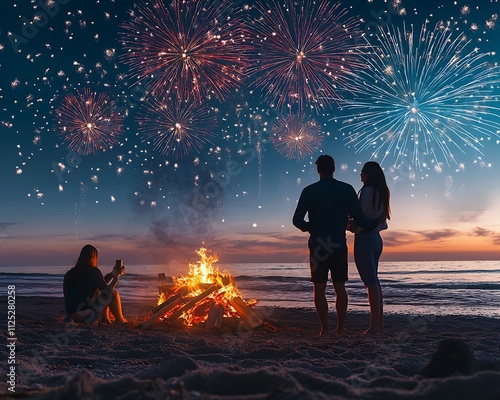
215	315
162	310
245	312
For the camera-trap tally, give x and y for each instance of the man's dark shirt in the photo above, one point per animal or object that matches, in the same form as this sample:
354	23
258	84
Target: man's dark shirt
329	203
81	284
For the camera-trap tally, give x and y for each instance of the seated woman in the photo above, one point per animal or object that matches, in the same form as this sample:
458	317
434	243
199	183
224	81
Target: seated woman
88	295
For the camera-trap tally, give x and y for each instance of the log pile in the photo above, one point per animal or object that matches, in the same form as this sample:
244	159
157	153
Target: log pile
206	300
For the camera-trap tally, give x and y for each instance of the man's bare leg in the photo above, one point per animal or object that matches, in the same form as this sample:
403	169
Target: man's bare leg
340	305
321	307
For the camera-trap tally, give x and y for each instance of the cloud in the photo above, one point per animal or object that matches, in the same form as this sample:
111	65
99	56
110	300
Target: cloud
114	237
481	232
397	238
471	216
435	235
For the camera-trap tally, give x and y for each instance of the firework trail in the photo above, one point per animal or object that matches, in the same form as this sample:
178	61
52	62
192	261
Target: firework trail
88	121
423	96
303	52
296	137
175	126
194	48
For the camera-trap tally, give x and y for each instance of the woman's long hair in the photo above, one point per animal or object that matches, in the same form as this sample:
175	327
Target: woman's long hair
88	257
375	177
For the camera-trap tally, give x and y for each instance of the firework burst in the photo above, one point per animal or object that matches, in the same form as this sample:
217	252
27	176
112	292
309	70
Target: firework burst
193	48
423	96
89	122
177	127
304	52
296	137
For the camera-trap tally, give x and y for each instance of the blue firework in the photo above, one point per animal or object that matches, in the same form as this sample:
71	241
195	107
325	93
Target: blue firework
423	97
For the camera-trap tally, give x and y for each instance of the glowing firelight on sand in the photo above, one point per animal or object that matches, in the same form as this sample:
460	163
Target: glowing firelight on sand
215	290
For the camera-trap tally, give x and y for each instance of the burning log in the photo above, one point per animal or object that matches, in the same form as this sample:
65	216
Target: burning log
204	295
162	309
245	312
175	293
191	303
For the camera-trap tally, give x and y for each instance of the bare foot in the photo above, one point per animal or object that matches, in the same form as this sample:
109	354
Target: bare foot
340	332
373	331
323	332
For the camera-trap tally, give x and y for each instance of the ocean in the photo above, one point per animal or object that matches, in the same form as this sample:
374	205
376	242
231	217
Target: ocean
423	287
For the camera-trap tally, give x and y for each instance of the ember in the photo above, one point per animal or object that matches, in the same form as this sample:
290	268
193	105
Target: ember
205	294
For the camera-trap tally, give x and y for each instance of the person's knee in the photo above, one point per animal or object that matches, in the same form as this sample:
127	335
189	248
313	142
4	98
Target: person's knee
115	296
319	289
339	287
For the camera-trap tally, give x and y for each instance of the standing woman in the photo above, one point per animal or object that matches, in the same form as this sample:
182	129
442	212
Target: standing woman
374	198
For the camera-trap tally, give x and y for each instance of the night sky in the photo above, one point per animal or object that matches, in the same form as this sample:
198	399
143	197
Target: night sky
197	147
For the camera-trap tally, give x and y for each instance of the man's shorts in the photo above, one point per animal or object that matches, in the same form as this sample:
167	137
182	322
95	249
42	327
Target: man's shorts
322	262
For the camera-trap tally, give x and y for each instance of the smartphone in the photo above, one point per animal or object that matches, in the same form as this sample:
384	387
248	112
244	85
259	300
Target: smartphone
119	263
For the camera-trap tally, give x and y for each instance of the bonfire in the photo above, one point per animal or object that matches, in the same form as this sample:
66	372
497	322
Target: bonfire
204	295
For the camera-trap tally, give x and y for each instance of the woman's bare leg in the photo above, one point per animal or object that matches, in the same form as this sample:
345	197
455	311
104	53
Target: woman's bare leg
105	317
116	308
375	300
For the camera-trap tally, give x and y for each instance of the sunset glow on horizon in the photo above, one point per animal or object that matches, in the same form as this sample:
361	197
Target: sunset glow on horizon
149	145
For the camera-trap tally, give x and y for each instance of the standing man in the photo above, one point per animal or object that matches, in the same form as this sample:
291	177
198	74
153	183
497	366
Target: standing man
329	203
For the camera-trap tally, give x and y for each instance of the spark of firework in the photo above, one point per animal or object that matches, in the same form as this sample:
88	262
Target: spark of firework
296	137
175	126
304	50
194	48
422	96
89	121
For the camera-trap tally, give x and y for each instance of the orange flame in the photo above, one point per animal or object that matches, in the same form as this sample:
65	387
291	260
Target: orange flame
201	276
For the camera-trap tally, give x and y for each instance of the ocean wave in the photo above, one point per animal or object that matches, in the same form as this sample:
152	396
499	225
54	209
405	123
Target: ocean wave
438	271
28	274
448	286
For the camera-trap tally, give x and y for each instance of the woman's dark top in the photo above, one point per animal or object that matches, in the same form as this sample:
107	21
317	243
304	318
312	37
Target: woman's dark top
81	286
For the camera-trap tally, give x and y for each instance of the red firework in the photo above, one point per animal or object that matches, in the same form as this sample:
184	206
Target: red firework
304	51
193	48
177	127
296	137
89	122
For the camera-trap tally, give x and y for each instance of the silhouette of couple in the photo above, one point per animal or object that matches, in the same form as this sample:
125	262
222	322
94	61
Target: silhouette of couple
332	207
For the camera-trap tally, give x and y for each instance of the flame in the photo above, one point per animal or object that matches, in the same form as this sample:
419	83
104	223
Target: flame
203	276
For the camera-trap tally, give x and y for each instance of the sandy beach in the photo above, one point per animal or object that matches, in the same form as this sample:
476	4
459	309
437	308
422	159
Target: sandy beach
282	359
